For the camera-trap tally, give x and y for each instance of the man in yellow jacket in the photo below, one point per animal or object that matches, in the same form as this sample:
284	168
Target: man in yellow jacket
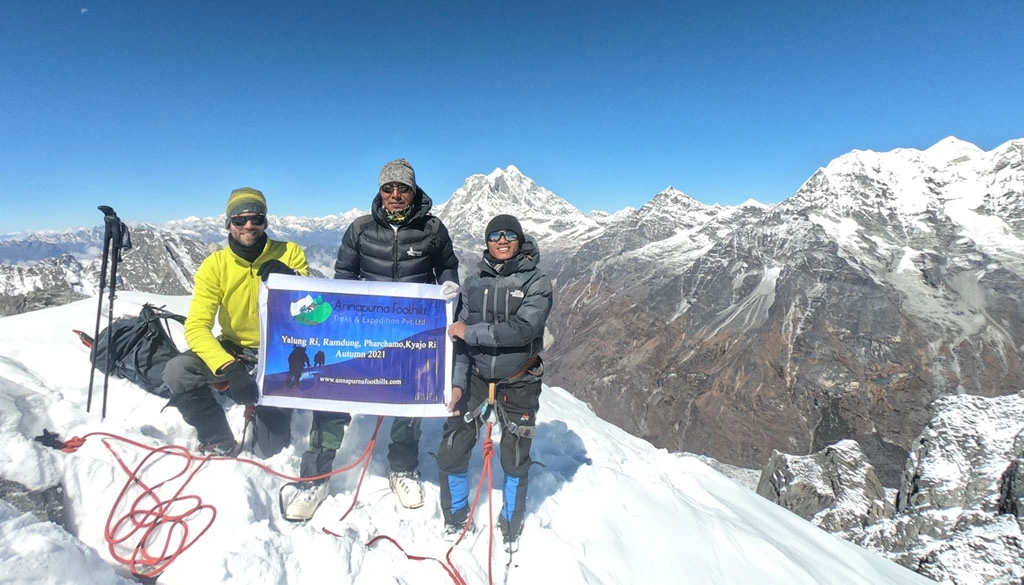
226	293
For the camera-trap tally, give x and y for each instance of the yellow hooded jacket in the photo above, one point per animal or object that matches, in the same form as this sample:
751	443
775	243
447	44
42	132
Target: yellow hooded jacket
227	287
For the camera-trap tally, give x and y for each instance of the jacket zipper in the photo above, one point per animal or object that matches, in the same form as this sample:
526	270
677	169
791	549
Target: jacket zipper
507	315
394	257
494	311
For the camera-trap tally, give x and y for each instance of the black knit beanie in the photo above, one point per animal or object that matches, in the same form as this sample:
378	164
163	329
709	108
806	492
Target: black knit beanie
504	222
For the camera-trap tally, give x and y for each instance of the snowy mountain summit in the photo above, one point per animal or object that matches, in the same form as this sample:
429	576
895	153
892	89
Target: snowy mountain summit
953	177
604	508
555	223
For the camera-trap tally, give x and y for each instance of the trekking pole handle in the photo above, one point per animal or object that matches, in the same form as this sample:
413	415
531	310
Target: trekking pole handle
490	393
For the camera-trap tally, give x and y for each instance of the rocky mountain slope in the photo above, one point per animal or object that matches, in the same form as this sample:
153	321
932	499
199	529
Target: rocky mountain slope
957	515
888	280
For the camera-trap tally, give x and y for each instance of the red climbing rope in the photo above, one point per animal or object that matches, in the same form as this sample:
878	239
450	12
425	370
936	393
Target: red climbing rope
447	564
162	529
367	454
159	529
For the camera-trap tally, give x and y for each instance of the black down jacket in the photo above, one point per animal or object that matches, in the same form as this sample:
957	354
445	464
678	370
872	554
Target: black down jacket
419	250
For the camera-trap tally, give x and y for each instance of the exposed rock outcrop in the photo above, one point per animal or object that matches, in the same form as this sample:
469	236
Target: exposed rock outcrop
835	488
957	515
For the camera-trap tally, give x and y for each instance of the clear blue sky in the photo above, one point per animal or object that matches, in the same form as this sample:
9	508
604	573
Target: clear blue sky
159	108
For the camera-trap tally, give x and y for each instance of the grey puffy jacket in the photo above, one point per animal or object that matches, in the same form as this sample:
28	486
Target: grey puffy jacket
504	313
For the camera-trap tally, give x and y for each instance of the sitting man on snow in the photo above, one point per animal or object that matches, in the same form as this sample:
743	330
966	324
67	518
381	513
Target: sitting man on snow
226	290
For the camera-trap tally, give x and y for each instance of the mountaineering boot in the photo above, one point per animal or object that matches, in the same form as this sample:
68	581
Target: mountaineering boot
408	488
509	536
453	531
455	523
510	543
225	448
306	500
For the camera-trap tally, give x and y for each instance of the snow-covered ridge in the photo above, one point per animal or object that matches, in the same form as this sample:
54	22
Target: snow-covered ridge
606	508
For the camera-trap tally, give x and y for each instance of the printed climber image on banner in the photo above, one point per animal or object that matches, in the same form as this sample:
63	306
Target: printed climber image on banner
354	346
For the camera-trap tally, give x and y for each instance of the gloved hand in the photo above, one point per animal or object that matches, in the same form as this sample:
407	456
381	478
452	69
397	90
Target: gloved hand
450	291
242	388
273	266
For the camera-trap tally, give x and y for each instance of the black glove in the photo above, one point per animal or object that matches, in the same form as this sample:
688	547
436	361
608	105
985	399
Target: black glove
241	387
50	439
274	266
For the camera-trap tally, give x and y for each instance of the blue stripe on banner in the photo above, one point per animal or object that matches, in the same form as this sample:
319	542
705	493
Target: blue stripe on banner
511	486
458	485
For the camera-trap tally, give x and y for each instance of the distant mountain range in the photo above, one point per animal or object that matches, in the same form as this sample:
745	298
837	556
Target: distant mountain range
888	280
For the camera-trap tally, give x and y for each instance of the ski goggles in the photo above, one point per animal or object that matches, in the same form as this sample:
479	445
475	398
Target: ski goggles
510	236
241	220
392	187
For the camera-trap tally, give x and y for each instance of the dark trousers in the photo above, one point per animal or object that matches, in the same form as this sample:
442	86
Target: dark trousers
404	449
189	379
328	431
325	436
516	404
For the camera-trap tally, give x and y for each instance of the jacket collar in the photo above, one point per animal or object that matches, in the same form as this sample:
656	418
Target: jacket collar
524	260
248	253
421	206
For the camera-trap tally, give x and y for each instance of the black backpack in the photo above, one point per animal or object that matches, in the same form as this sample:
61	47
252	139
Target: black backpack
138	348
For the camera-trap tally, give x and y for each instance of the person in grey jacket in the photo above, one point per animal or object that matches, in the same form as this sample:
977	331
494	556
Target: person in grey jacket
499	334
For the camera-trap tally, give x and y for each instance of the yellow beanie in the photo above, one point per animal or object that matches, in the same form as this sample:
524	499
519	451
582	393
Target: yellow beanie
245	199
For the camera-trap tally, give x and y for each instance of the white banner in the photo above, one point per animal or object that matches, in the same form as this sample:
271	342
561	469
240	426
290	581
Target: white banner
355	346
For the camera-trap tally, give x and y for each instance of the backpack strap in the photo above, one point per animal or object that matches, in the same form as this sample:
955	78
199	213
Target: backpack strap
153	312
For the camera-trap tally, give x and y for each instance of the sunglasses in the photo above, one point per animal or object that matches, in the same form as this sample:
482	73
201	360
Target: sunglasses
391	188
510	236
241	220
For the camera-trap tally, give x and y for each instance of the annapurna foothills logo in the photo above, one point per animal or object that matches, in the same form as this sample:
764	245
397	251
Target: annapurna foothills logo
310	311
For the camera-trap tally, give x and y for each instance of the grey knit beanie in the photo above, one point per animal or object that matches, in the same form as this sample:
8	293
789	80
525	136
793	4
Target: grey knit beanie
398	171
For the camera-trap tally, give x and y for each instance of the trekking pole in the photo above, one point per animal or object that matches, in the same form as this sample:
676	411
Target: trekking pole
103	283
119	240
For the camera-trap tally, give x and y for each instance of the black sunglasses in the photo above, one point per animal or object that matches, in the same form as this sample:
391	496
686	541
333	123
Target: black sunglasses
510	236
399	187
241	220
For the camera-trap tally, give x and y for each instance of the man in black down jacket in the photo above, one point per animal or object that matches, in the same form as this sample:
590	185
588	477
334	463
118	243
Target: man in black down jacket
400	241
499	333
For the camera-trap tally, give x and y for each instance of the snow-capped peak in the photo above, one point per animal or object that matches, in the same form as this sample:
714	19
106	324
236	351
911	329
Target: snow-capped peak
951	150
544	215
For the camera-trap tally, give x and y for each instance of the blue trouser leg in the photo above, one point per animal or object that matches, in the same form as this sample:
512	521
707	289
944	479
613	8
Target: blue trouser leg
518	403
517	479
457	441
